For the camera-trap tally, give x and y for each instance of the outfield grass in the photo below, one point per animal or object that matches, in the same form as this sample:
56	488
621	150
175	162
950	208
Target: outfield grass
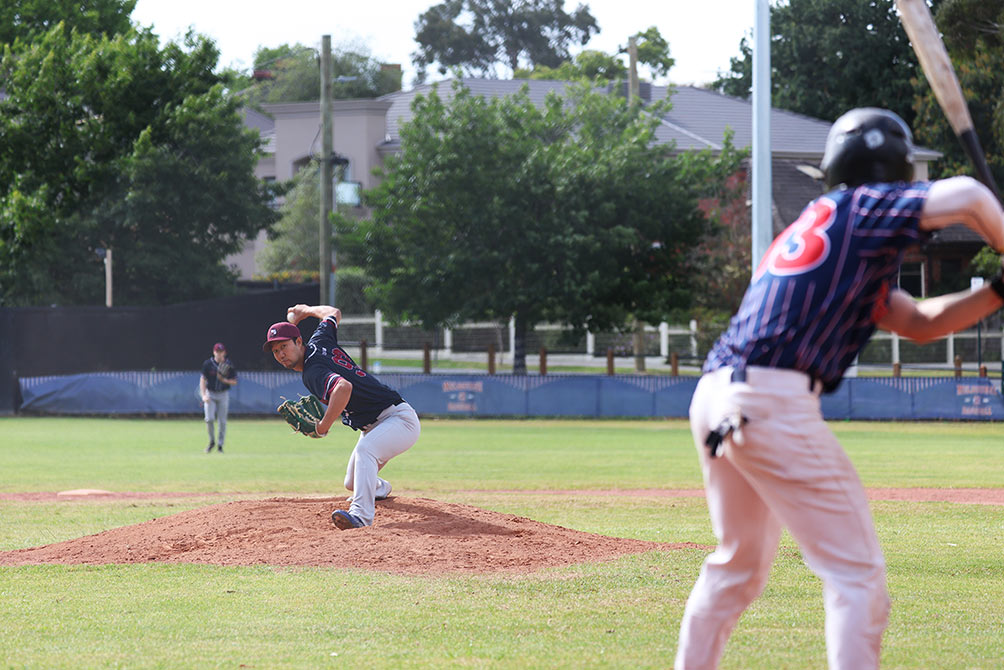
945	566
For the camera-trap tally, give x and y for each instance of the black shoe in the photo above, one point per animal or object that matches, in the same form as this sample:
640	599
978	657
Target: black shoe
210	447
345	521
220	448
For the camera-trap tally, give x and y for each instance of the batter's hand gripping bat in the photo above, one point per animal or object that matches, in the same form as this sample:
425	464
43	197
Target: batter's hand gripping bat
941	76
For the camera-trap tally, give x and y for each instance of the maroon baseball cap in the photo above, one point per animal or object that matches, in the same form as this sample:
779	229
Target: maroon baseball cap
277	332
219	347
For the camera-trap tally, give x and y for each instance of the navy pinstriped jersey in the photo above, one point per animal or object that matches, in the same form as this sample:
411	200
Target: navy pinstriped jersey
824	283
210	370
325	362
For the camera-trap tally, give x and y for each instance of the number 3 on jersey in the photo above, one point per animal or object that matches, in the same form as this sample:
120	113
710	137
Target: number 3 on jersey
804	245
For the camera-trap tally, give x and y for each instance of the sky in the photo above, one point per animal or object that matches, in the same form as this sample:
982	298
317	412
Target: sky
702	34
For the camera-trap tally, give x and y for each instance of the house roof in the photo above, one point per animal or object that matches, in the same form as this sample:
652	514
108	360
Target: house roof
698	118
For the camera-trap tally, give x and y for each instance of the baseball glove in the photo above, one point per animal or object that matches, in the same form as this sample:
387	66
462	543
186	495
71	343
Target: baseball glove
224	368
302	415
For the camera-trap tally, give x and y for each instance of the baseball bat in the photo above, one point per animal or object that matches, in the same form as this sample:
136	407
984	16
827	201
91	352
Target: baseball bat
940	73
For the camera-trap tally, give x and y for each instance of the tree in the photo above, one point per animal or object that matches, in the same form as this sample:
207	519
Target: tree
477	36
828	56
293	244
974	35
568	213
32	19
592	65
291	73
115	142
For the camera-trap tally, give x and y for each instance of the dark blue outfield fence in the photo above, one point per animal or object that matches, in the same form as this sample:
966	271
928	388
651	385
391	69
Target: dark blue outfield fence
967	398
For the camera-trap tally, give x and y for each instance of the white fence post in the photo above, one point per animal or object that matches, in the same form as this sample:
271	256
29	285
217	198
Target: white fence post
378	332
693	338
512	339
447	342
590	344
664	340
950	348
895	348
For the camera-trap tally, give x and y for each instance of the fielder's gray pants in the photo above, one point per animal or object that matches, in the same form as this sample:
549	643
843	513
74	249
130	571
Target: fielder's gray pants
216	410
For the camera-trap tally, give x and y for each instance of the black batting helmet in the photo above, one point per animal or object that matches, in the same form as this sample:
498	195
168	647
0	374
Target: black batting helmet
868	145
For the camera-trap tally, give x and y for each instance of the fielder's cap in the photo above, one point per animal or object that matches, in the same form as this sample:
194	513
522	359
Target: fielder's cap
219	347
277	332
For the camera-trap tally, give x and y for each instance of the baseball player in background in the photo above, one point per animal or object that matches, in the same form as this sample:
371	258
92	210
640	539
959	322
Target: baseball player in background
218	375
769	460
388	425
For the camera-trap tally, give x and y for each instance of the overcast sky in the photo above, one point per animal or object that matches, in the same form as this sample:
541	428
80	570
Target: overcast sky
702	34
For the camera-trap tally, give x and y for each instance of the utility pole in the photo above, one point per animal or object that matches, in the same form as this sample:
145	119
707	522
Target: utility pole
638	336
762	218
326	263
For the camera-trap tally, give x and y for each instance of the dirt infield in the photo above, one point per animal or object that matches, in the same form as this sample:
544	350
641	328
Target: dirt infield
410	536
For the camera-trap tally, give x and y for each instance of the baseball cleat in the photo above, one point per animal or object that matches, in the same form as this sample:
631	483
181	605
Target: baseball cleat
210	447
345	521
386	495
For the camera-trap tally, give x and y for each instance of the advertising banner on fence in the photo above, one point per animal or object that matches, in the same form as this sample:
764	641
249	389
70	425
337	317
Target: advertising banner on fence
866	398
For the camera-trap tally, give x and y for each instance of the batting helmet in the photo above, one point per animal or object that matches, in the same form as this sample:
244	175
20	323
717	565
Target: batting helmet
868	145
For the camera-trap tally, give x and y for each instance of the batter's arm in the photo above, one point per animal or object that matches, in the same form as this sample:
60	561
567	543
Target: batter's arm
337	401
298	313
964	200
929	319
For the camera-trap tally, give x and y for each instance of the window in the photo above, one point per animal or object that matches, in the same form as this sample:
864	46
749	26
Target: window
911	279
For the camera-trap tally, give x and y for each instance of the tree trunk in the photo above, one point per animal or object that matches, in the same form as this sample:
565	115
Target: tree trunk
638	340
519	346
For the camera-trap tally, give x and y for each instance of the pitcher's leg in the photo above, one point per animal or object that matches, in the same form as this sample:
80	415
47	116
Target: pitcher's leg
393	435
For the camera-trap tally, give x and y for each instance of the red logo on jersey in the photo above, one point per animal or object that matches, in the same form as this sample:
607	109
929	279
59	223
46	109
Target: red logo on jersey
342	359
804	245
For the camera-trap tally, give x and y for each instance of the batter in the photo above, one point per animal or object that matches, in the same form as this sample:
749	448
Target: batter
769	460
388	425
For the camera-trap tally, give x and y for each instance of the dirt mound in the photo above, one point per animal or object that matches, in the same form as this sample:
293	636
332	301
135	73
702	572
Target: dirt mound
411	536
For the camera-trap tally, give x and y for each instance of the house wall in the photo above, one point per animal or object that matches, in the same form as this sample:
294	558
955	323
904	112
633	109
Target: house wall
358	127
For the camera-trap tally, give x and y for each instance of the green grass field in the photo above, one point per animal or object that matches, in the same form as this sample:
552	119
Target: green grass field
946	572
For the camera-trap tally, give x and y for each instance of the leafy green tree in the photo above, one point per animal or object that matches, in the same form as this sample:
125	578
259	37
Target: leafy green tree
117	142
293	245
568	213
293	250
291	73
974	35
593	65
653	50
32	19
589	65
477	36
828	56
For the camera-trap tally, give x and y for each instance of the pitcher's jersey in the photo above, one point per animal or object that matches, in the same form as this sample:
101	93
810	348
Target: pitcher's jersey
824	283
325	362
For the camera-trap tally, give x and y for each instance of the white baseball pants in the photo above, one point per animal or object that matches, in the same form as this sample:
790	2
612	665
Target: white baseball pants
393	433
782	469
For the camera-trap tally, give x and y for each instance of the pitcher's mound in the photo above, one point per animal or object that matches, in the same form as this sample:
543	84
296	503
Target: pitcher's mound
411	535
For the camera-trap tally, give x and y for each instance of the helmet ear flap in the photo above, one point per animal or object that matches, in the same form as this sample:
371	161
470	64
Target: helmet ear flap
868	145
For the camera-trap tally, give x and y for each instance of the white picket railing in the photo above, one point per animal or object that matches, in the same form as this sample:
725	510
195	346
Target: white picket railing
990	341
